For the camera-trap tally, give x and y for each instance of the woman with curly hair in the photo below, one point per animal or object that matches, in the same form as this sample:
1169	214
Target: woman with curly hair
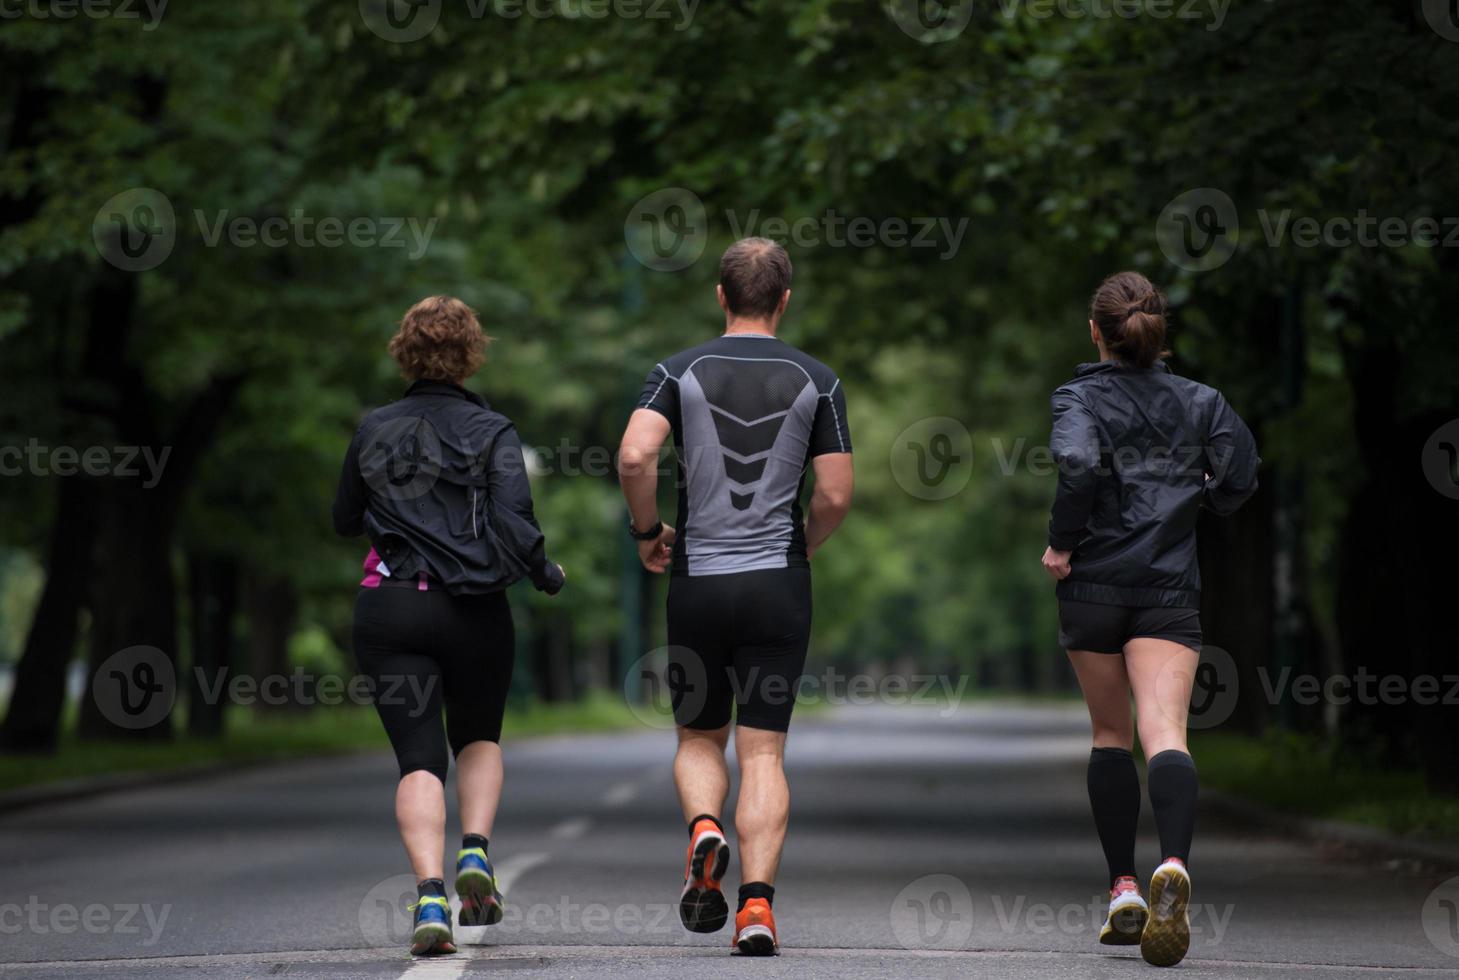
438	483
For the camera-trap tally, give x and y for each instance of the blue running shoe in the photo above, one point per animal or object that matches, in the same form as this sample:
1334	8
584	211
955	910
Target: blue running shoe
481	902
432	936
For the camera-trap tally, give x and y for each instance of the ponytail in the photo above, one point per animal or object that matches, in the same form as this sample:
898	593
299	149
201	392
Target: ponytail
1130	314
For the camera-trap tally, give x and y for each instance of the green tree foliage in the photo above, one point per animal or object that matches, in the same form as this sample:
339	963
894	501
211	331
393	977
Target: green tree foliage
1058	140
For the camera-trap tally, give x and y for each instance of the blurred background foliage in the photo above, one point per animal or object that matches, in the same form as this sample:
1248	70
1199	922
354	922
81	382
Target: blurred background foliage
528	141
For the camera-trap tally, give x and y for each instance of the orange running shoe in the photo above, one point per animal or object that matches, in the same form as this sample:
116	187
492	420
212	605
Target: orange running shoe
702	907
755	929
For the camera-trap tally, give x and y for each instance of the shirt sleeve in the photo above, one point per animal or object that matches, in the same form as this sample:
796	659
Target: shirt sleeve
1231	460
661	393
1075	445
509	495
352	495
830	432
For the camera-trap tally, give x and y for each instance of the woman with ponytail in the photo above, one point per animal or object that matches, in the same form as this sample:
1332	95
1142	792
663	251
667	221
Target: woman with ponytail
1140	451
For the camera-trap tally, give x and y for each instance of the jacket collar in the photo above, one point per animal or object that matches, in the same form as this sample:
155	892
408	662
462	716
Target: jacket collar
427	386
1111	366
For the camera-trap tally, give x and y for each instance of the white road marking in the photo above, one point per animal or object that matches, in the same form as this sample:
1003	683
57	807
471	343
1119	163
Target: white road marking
440	967
572	829
620	794
509	870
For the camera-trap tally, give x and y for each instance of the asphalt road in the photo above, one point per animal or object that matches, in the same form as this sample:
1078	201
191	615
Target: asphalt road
920	845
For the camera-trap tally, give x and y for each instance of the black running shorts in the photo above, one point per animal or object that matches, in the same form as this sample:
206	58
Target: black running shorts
738	643
1101	628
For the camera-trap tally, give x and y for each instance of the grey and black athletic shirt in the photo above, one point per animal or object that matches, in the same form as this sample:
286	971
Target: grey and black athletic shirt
749	412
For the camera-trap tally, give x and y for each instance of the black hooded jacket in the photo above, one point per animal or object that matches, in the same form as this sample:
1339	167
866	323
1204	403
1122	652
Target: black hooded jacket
1139	452
438	483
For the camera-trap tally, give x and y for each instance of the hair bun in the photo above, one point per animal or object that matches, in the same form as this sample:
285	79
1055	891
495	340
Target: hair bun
1150	303
1130	314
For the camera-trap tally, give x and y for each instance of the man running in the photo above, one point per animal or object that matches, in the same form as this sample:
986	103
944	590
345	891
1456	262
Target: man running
749	414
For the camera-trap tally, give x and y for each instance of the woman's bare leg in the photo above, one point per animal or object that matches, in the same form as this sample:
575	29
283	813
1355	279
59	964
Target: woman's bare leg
1114	783
420	810
479	786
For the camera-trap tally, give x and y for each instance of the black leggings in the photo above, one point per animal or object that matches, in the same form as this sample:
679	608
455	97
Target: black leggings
423	650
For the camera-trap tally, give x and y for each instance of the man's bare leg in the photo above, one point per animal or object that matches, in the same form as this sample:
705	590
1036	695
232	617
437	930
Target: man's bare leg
763	808
702	779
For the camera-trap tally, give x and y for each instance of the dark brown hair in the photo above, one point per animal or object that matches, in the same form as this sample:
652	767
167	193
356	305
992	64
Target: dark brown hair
440	339
754	273
1130	314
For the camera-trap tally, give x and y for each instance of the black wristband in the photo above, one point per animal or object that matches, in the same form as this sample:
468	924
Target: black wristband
648	535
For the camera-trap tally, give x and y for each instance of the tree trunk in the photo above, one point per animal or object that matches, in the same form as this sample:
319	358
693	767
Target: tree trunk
213	587
134	606
33	722
271	610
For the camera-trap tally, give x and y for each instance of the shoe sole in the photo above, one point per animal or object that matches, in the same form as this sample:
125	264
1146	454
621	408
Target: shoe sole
757	941
702	907
1124	927
432	939
1167	935
481	902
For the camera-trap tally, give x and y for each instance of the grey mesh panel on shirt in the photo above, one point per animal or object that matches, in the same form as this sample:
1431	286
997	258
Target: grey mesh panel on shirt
748	415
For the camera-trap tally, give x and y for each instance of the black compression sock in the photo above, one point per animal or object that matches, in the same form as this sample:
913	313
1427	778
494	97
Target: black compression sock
1114	796
473	840
1173	789
705	816
757	889
431	886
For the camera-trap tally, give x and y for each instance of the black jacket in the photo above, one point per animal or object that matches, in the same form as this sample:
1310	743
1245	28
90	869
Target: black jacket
438	482
1135	449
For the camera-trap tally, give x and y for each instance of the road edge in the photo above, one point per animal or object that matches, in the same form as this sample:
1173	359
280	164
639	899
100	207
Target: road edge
1313	829
83	787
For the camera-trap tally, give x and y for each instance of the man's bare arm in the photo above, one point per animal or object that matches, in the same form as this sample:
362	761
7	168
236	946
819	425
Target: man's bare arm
831	498
638	474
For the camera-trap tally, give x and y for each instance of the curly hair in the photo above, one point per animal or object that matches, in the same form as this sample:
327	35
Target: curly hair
439	339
